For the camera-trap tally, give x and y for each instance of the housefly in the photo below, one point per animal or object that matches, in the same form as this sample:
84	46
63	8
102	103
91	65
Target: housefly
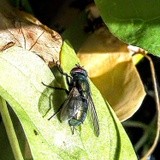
79	101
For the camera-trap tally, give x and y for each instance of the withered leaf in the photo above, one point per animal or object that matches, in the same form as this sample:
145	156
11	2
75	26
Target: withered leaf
111	69
24	30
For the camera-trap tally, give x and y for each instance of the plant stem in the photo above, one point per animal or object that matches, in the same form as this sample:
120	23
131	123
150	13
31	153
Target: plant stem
150	151
10	130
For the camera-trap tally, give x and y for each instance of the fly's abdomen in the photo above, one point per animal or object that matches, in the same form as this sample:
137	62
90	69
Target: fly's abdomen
79	115
77	120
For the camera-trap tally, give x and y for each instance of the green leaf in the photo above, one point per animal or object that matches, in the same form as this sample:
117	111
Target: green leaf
10	129
21	75
21	87
135	22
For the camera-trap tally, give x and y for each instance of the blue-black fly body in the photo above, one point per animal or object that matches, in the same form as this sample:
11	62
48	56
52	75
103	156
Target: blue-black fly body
79	102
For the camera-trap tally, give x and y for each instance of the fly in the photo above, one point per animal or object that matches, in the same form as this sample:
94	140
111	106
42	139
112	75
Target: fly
79	101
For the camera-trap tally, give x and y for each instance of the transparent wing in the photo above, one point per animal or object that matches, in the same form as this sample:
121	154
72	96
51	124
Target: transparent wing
93	115
71	105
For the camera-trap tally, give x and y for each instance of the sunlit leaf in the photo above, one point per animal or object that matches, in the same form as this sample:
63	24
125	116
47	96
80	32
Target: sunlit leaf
135	22
22	88
21	75
111	69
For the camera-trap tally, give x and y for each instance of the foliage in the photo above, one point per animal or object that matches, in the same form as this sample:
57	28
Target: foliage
52	139
134	22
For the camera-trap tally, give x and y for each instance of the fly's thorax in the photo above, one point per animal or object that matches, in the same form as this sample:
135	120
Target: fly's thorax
80	82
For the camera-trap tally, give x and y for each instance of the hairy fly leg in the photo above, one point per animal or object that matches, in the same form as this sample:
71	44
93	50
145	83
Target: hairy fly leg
57	88
68	77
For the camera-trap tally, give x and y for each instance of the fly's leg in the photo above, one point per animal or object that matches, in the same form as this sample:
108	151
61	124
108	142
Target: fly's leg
56	88
72	129
68	77
59	109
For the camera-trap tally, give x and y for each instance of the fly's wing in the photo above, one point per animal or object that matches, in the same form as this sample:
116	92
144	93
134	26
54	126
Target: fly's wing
93	115
71	105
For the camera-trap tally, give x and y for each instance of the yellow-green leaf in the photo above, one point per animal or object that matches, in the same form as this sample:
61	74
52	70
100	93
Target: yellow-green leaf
20	84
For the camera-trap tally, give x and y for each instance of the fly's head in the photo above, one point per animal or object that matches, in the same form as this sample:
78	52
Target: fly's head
78	70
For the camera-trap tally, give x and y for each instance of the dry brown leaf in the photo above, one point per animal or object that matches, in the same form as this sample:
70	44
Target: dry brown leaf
24	30
111	69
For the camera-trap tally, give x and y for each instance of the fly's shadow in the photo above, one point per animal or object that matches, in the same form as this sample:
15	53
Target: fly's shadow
54	95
